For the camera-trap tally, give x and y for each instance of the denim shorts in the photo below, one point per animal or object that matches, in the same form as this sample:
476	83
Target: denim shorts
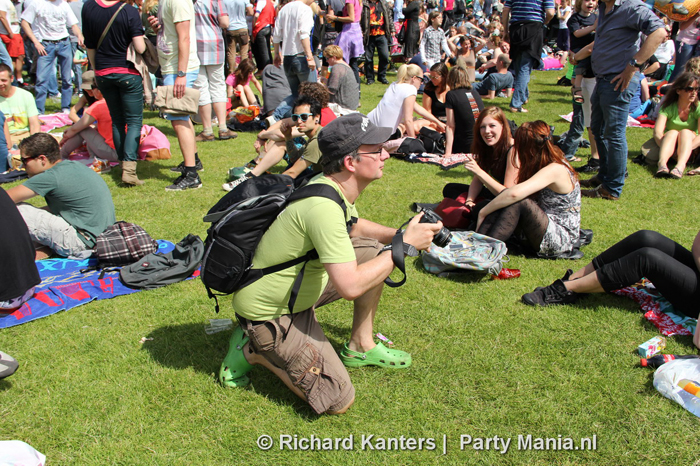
169	80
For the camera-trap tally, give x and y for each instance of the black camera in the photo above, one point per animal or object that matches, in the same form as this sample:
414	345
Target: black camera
443	237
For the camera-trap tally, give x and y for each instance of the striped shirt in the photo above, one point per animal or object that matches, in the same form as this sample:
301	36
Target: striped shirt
528	10
210	42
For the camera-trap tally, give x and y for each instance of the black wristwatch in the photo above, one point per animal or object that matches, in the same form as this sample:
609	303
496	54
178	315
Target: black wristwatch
408	249
180	74
634	63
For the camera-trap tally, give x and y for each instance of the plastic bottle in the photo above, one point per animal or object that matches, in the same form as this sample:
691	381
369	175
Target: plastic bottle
656	361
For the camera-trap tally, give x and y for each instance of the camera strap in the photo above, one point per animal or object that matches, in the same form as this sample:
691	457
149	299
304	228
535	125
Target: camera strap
397	256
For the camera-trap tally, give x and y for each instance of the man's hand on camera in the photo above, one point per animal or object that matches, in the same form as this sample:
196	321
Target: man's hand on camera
420	235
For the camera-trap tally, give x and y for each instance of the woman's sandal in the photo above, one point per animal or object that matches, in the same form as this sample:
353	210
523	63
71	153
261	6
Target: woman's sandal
662	172
694	172
577	93
235	367
676	174
380	356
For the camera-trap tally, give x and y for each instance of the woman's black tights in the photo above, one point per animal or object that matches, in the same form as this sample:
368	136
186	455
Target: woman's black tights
524	216
667	264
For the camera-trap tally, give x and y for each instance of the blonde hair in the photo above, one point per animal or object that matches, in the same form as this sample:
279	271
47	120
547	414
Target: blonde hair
333	51
406	72
148	5
692	65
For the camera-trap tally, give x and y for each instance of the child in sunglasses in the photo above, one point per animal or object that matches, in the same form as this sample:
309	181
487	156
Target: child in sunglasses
677	125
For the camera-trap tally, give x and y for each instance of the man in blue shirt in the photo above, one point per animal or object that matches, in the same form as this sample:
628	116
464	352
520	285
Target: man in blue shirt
617	58
523	21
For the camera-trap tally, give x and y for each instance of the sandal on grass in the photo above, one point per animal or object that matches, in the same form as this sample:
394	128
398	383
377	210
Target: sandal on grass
234	369
662	172
518	110
694	172
380	356
577	93
676	174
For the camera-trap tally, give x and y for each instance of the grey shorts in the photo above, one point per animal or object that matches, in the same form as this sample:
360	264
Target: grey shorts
52	231
296	344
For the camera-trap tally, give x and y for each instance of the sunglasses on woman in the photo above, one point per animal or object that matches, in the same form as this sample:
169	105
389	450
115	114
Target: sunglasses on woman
301	116
691	89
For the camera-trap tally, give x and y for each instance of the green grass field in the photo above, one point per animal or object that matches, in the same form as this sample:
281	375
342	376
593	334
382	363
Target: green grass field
88	392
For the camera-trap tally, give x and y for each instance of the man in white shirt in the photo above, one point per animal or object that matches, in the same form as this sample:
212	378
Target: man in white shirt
13	56
46	23
293	30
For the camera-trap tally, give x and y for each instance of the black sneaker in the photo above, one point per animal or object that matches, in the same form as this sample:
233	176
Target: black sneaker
383	81
185	181
556	293
592	166
181	168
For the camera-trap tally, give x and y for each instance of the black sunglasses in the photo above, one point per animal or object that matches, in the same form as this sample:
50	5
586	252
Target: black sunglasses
691	89
301	116
26	159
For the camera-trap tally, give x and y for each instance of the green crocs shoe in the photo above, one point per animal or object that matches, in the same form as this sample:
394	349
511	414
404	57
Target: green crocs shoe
380	356
234	369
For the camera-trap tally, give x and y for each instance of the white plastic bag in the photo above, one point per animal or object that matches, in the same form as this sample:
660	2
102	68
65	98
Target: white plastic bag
667	377
16	452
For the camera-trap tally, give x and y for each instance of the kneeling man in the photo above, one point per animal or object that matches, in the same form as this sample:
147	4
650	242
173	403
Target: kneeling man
79	203
351	266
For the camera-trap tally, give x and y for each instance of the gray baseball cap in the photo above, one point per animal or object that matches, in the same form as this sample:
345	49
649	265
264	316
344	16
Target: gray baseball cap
345	134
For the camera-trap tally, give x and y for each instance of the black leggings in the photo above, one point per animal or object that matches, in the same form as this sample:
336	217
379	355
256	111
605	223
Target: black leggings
668	265
524	217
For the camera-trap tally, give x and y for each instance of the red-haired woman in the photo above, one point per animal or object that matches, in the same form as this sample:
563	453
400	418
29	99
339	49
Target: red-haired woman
545	205
493	162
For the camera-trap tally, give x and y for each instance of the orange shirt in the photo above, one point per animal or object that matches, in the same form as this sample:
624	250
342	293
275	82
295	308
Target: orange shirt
100	112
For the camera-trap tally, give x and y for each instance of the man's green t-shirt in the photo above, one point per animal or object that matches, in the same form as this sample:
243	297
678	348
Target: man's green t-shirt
77	194
674	122
18	109
315	222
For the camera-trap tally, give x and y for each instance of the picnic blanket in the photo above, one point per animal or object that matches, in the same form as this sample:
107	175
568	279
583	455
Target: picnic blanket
658	310
446	163
53	121
631	122
64	287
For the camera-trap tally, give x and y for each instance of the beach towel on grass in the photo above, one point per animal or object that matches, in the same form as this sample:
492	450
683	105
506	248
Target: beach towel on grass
64	287
658	310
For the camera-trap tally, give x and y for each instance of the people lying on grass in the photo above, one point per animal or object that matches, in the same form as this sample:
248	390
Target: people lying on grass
302	154
238	84
98	141
677	125
462	106
342	86
79	203
545	205
495	82
265	143
18	273
672	269
493	162
434	44
352	265
86	99
399	103
435	91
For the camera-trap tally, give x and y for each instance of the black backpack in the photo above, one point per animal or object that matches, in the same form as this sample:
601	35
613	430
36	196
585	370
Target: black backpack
239	221
433	141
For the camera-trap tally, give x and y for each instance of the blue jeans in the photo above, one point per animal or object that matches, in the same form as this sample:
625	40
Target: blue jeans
284	109
573	137
610	109
684	52
5	57
297	71
124	96
44	69
522	66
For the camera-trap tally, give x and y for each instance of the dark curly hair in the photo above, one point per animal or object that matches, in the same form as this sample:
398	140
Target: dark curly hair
316	91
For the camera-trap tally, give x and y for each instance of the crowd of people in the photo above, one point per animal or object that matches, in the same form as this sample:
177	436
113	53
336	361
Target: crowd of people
305	59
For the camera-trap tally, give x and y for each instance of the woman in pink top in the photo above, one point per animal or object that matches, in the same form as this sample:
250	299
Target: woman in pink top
350	39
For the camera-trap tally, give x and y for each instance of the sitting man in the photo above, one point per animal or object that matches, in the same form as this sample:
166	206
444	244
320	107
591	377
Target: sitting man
293	346
79	203
302	155
18	106
495	82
